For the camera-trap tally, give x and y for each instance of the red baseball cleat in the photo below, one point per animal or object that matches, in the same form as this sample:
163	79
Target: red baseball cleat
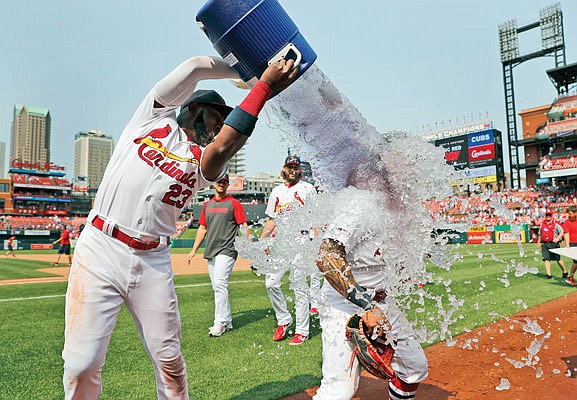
571	281
280	332
298	339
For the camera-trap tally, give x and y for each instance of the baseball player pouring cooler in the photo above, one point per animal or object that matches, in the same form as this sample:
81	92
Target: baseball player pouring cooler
123	254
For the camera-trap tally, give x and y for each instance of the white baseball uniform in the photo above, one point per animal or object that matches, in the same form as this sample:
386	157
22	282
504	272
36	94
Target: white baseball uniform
368	265
283	199
151	176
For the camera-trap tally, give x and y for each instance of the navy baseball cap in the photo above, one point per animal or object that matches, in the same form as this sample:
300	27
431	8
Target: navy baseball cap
225	178
292	160
208	97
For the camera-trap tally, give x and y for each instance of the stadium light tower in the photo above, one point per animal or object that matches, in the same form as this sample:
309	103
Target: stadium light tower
552	44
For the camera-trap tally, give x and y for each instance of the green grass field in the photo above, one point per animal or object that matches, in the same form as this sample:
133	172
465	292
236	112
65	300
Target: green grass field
244	363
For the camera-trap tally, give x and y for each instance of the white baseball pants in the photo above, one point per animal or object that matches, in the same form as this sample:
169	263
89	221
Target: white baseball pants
315	289
219	270
341	378
277	299
105	274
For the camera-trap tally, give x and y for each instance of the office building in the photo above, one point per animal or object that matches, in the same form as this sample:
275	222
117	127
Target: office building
237	164
2	160
31	135
92	151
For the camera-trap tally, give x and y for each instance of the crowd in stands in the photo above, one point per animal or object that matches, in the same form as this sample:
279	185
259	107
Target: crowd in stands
516	206
510	206
41	223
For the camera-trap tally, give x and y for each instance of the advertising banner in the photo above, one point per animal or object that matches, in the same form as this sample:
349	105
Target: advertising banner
14	245
481	138
509	237
36	232
479	237
543	181
485	179
455	151
555	173
40	246
481	153
236	184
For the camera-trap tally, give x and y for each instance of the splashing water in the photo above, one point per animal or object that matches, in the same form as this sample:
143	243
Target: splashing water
324	126
504	384
393	174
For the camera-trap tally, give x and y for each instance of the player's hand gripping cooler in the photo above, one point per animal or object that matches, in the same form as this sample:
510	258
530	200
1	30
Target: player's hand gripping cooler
374	354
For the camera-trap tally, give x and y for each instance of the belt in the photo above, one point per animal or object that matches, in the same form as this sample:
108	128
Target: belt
130	241
379	297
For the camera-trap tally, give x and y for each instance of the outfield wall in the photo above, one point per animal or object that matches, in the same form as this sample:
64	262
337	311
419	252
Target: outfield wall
481	234
27	239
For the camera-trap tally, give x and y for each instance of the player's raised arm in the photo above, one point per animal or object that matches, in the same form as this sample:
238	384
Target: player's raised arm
176	87
240	123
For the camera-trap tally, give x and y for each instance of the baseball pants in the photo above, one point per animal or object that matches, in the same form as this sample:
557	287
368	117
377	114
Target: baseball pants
277	299
315	289
105	274
219	270
341	377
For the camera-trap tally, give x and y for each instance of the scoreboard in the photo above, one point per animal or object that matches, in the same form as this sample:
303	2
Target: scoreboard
477	154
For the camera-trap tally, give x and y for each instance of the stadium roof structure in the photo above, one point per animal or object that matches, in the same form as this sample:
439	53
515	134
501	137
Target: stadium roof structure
563	77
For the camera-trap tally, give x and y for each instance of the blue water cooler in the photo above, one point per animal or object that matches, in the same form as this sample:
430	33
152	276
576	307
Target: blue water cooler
250	34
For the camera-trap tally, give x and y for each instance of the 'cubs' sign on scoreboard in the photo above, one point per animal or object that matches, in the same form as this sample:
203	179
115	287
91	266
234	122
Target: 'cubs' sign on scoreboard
481	148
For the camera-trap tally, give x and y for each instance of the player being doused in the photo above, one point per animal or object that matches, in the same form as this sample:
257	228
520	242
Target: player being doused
362	261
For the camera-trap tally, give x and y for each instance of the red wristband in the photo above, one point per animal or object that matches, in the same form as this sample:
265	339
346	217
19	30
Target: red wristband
254	101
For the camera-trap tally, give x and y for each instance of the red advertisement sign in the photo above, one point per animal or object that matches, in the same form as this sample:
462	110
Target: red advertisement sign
40	246
480	153
49	166
479	237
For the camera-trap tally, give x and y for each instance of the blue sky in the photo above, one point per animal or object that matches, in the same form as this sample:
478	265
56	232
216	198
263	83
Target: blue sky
404	64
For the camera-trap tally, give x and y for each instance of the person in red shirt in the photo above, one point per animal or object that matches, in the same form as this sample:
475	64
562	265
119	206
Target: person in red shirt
570	233
550	235
10	244
64	247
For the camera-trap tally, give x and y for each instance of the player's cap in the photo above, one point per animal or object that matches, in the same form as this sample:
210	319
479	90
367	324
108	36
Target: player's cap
225	178
548	212
209	97
292	160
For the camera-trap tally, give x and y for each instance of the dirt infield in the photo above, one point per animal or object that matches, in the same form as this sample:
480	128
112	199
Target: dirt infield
473	368
179	266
